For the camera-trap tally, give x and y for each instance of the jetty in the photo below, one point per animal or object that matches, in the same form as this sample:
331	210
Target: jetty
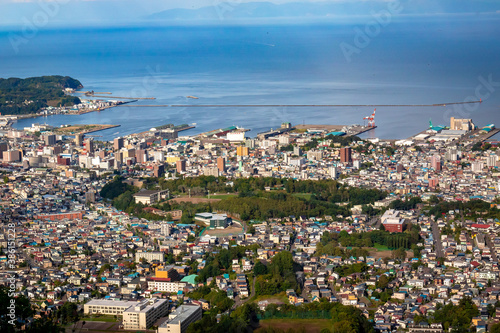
295	105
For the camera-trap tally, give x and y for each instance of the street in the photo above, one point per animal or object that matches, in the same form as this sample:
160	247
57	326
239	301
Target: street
438	246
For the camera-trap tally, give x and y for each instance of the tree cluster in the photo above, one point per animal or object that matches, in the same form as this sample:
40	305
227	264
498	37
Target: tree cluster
278	276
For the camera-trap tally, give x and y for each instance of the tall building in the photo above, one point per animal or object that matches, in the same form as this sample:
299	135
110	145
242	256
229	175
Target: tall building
211	171
250	143
436	162
79	140
165	229
221	164
491	161
452	154
433	182
90	196
11	155
141	155
3	147
345	155
242	151
181	166
63	160
89	145
333	172
159	170
49	139
118	143
297	151
158	156
477	166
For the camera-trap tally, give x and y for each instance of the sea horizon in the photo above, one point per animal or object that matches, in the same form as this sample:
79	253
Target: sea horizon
415	61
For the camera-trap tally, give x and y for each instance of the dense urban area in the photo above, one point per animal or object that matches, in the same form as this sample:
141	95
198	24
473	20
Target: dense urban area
301	229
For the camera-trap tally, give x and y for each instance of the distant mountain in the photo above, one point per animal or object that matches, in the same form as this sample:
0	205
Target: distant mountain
228	10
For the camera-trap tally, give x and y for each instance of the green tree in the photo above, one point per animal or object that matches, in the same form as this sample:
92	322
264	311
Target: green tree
259	268
383	281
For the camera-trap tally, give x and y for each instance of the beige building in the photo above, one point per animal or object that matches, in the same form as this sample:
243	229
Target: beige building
150	256
147	197
461	124
136	315
179	320
165	285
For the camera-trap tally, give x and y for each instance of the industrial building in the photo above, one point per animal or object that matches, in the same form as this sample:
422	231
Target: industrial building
462	124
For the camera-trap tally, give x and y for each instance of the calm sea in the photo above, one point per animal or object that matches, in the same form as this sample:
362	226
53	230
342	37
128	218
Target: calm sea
416	61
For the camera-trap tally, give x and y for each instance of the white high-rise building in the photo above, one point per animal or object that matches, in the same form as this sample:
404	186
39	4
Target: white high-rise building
165	229
333	172
491	161
477	166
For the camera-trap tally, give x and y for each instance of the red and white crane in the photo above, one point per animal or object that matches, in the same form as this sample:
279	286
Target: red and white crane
371	119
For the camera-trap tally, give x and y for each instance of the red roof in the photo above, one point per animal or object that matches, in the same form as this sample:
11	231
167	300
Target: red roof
480	226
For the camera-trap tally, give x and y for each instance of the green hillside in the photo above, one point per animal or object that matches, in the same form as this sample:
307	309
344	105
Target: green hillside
21	96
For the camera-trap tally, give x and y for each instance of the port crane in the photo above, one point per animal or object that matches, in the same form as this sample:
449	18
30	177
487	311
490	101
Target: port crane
371	119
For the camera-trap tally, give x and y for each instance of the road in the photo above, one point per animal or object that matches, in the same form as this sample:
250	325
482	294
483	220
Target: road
238	301
438	246
375	221
490	244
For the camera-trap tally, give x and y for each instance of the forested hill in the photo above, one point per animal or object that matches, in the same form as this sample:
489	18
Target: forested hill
21	96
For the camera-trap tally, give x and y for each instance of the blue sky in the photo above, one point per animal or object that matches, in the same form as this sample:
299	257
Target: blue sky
46	13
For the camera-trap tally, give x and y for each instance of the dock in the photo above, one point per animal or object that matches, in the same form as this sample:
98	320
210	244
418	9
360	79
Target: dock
82	129
350	130
177	128
490	134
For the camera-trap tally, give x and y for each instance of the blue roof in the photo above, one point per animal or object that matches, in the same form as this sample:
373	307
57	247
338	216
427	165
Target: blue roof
336	133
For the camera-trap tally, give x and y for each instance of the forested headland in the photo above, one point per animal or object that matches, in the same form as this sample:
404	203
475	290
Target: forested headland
24	96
